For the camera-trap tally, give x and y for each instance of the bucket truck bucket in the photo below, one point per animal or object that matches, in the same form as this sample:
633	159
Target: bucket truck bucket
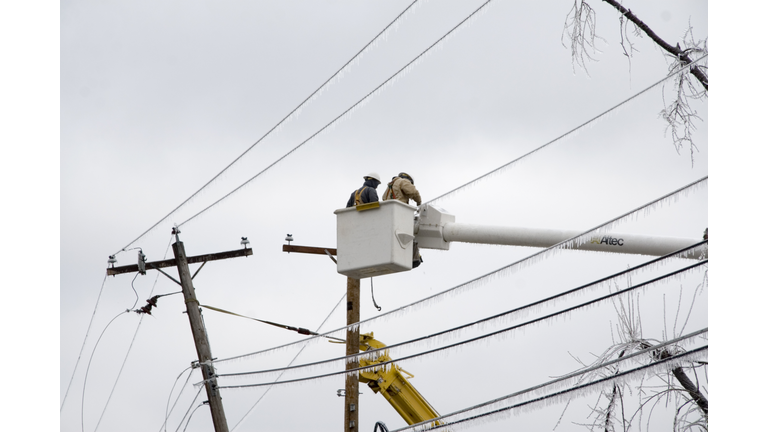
374	240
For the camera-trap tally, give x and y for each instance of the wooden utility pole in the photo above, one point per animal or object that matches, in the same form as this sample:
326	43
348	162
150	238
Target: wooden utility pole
204	356
351	389
201	339
351	385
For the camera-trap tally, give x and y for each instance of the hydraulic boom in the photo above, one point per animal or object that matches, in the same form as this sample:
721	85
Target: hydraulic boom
390	380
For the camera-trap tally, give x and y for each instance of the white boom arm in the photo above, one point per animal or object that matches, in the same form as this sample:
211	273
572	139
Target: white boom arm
436	229
375	239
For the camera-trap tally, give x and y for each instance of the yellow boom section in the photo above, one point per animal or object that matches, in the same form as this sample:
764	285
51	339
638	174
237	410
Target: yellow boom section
391	382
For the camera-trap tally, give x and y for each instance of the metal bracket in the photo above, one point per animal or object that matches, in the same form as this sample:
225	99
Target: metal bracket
198	269
330	256
166	274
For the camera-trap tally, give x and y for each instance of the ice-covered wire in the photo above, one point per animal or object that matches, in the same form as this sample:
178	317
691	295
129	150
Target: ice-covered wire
300	330
193	413
290	114
535	304
167	412
85	339
673	360
481	337
531	259
88	368
289	364
134	290
190	408
130	347
581	126
360	102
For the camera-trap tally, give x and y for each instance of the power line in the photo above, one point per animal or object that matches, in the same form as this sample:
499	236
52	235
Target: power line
586	123
190	408
190	416
88	368
639	371
85	339
531	259
348	110
487	335
167	413
506	314
299	330
289	364
353	107
130	347
288	116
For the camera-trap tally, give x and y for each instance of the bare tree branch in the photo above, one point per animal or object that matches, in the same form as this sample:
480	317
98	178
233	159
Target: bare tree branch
687	384
680	54
580	25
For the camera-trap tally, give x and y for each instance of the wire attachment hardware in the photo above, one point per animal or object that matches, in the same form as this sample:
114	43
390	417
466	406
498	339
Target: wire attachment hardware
142	263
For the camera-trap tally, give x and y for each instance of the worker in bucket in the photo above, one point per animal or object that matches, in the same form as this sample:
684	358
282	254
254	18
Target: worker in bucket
367	193
402	189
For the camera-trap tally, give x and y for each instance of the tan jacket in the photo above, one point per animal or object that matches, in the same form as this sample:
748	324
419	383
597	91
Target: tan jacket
403	190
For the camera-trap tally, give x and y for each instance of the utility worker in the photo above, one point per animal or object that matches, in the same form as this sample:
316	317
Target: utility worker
402	189
367	193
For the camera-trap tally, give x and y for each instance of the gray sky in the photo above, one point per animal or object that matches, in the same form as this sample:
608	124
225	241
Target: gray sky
156	100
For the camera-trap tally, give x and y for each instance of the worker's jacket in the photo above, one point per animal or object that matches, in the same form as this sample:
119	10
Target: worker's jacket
367	193
402	190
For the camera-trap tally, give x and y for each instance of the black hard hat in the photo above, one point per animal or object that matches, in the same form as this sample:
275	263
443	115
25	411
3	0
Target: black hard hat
406	176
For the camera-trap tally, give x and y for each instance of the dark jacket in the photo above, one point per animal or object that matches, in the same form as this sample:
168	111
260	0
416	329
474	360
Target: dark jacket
368	195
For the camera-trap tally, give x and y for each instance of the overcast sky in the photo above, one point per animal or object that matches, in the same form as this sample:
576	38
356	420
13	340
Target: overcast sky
155	100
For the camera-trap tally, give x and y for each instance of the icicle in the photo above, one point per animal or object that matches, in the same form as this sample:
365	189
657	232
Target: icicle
554	392
430	300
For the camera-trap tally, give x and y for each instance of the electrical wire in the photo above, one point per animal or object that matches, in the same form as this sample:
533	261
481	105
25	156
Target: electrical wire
528	306
63	401
300	330
134	290
289	364
130	347
500	271
190	416
378	308
614	377
85	339
485	336
168	413
190	408
586	123
348	110
87	369
289	115
385	83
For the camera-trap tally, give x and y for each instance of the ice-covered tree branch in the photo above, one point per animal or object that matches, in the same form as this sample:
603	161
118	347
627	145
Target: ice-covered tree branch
681	54
690	60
